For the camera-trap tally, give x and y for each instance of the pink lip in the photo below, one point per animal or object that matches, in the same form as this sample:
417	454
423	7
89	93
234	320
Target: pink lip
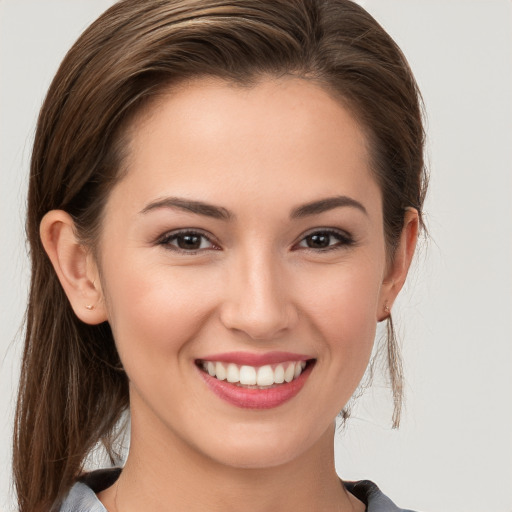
255	359
249	398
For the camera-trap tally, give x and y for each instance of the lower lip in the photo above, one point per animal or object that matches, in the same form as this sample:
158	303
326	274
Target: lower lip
250	398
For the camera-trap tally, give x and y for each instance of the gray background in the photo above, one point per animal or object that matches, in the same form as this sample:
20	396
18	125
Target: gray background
453	452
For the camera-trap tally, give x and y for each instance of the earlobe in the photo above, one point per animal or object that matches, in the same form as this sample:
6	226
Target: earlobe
74	266
398	269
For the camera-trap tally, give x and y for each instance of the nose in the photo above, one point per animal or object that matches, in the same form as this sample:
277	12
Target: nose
258	301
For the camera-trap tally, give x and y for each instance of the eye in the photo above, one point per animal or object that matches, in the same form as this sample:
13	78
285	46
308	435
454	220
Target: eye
326	239
187	241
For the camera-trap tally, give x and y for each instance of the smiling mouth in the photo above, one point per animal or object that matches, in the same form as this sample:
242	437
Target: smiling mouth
255	377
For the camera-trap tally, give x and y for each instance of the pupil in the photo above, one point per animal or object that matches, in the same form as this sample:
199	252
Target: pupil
189	242
316	241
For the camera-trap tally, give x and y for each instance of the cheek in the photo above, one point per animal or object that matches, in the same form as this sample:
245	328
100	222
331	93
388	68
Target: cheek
154	310
343	310
345	300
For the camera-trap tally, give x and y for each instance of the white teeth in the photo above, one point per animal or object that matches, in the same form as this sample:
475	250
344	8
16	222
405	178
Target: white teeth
289	372
220	371
279	374
248	375
265	376
233	373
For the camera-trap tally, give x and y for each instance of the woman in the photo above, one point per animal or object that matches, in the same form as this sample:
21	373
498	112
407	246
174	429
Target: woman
224	202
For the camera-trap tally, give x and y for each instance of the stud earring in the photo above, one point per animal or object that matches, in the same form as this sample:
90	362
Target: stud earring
90	307
386	308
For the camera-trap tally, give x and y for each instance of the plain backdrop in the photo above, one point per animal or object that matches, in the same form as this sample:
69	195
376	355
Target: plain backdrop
453	452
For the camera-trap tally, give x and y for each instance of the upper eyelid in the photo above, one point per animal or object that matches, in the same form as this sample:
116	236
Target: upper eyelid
185	231
332	231
345	240
325	229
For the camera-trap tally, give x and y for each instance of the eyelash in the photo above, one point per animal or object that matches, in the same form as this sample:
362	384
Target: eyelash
169	237
344	240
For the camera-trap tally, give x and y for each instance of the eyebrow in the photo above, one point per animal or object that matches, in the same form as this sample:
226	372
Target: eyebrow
219	212
324	205
198	207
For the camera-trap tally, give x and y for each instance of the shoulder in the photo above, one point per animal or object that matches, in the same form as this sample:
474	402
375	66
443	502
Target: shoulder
82	496
374	499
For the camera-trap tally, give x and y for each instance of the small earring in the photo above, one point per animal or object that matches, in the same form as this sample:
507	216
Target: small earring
386	308
90	307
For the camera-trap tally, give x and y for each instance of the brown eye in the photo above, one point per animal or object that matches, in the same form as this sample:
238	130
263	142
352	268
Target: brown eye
318	241
188	241
326	240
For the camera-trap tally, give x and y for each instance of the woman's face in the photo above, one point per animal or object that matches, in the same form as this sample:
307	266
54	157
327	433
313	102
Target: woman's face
245	240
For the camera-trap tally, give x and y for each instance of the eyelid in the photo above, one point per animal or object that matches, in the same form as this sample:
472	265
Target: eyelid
165	239
344	237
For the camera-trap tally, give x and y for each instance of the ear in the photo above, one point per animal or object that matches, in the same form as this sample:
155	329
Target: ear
74	265
398	268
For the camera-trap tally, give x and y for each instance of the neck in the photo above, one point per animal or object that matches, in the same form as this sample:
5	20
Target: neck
174	476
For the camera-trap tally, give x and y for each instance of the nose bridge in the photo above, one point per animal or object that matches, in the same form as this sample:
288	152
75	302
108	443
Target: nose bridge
258	300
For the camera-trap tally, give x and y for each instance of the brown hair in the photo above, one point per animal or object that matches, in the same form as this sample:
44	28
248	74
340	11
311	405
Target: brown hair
72	392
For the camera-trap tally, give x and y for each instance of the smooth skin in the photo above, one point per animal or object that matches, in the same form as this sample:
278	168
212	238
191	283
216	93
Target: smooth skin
258	272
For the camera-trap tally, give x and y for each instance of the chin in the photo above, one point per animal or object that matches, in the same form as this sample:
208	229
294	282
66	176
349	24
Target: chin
257	458
265	449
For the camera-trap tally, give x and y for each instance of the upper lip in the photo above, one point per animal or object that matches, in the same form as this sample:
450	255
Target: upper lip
255	359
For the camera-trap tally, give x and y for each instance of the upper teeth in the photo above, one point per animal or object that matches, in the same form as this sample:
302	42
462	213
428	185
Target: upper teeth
255	376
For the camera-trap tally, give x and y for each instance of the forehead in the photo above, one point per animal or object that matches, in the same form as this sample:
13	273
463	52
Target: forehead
208	137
